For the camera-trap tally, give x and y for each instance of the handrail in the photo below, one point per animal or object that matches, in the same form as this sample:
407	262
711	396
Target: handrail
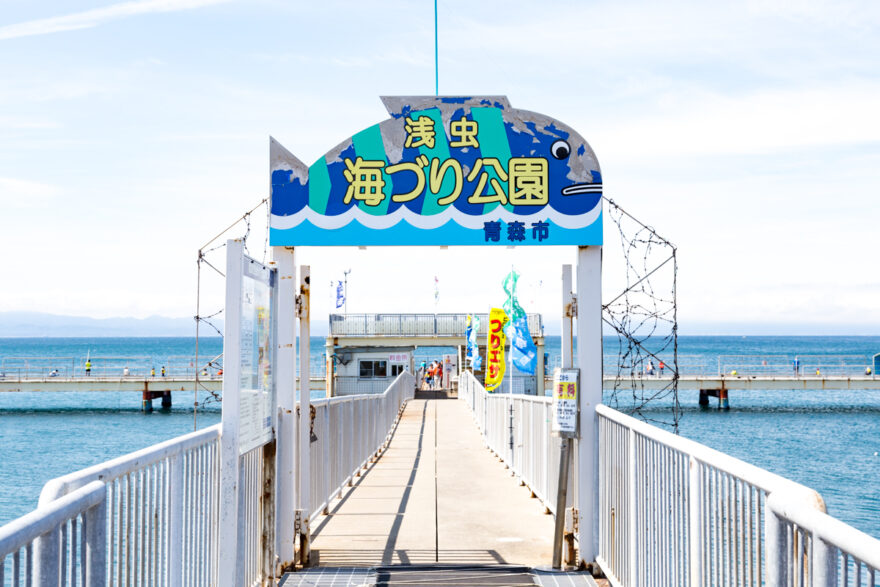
756	476
351	430
23	530
836	548
119	466
534	455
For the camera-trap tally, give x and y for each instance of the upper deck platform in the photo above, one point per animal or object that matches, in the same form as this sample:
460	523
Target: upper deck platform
409	329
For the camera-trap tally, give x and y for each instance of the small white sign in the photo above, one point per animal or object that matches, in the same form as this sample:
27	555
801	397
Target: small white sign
565	403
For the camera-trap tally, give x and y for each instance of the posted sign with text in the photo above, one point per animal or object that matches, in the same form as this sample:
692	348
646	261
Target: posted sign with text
565	403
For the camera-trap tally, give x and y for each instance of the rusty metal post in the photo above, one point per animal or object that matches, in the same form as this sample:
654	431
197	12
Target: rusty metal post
267	512
561	496
305	471
147	399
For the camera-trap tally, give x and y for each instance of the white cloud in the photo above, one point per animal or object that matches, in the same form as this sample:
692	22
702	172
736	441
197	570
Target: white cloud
14	190
98	16
764	121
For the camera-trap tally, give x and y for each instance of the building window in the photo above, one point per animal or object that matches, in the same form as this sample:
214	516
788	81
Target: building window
397	370
371	369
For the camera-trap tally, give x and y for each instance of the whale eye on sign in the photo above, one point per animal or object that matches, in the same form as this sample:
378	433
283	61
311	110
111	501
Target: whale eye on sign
442	171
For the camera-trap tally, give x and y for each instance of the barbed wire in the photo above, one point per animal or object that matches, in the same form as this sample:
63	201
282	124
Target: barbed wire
211	248
644	317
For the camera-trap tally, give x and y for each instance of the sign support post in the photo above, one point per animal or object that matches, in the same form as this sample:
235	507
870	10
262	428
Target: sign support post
589	362
229	457
285	492
305	415
566	439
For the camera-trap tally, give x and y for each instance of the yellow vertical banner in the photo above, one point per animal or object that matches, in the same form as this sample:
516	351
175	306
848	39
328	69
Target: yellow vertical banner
495	348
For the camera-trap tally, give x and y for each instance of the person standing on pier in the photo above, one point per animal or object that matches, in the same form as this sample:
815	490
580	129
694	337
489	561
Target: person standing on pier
163	371
797	366
88	367
152	371
438	376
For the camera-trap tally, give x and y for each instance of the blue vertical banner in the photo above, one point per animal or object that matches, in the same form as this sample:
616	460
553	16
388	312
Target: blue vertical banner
340	295
473	349
523	353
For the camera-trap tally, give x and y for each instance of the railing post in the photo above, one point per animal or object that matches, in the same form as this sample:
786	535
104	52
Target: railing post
305	470
229	568
589	363
96	544
776	563
632	505
285	385
175	522
47	570
695	538
824	564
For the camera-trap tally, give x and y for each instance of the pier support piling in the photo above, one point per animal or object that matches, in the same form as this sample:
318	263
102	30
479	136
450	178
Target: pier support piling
166	400
704	398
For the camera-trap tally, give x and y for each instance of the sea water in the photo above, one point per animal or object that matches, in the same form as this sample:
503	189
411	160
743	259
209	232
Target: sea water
826	440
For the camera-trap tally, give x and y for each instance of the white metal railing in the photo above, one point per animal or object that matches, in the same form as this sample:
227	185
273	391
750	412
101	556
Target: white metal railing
674	512
517	429
810	544
162	509
415	325
349	432
77	520
152	517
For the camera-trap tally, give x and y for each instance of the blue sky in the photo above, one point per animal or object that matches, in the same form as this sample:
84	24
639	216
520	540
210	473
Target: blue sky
744	132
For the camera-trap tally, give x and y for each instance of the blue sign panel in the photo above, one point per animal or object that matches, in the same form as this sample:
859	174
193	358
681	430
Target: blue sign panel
443	171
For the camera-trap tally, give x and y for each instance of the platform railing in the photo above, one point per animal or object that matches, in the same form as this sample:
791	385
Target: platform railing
674	512
162	512
152	517
77	520
517	429
414	325
812	544
349	432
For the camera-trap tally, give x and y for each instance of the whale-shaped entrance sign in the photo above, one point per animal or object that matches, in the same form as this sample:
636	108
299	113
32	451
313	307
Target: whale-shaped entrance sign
443	171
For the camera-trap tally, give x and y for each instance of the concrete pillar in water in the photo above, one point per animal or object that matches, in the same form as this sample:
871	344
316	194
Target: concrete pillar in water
704	398
166	400
147	401
723	402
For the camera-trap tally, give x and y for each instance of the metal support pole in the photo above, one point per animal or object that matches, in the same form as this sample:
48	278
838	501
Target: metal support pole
175	522
567	316
96	544
695	524
776	563
561	496
285	382
589	362
632	508
305	414
825	563
230	571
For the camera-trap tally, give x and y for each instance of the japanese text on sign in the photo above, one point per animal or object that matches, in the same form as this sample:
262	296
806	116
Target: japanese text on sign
565	402
495	348
523	182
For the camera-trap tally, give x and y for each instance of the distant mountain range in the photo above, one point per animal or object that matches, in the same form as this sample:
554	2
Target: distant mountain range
38	324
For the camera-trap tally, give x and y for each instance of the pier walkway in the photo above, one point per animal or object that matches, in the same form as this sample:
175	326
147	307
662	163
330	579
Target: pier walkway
436	495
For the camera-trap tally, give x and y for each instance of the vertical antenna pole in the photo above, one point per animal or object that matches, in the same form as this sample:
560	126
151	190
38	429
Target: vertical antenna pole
436	54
